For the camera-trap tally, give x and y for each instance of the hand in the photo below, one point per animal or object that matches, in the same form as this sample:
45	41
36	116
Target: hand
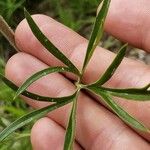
97	127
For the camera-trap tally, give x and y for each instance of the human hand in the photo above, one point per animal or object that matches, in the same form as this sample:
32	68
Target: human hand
97	127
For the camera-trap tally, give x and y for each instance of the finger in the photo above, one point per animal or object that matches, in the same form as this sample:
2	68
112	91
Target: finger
91	133
48	135
74	46
23	31
129	21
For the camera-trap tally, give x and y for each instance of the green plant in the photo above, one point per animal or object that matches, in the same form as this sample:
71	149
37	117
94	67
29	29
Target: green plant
8	7
141	94
9	111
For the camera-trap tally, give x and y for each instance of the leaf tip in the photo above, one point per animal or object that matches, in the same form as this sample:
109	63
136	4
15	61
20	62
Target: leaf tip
25	10
26	13
147	130
15	97
124	47
146	88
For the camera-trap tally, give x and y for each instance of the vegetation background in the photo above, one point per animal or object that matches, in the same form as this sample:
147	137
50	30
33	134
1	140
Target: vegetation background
76	14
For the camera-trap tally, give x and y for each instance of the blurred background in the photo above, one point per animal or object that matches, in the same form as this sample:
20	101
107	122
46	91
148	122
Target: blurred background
76	14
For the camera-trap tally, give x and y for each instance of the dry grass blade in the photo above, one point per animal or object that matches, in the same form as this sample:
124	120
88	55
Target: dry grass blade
7	32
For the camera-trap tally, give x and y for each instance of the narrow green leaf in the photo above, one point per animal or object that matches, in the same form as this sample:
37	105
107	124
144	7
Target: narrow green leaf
47	44
124	115
120	112
38	75
131	94
32	95
97	32
70	132
30	117
113	67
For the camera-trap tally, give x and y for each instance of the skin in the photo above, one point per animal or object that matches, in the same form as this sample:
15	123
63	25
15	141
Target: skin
97	127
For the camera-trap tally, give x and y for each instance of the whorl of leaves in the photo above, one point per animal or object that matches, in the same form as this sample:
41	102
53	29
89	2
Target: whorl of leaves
107	94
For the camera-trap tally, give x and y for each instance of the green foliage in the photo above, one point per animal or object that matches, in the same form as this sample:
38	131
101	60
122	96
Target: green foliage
112	68
30	117
29	94
74	13
105	93
8	7
17	142
40	74
142	94
97	32
9	111
119	111
70	133
48	45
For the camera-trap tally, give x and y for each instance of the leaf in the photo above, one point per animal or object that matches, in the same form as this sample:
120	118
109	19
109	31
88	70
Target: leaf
113	67
32	95
47	44
130	94
120	112
70	132
38	75
30	117
97	32
7	32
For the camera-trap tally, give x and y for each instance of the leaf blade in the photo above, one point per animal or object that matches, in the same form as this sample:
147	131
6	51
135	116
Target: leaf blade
38	75
97	32
30	117
32	95
113	67
47	44
70	132
124	115
131	94
120	112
